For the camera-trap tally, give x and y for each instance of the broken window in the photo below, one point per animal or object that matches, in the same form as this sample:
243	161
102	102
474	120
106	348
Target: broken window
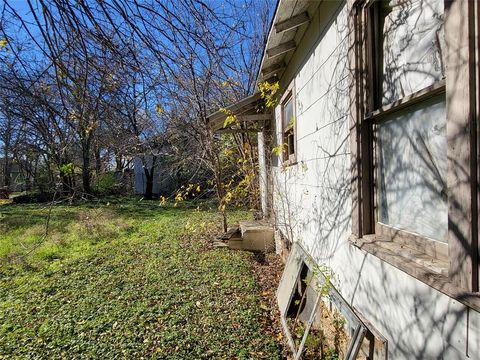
317	321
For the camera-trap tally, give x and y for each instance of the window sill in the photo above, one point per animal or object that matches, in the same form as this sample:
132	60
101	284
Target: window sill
422	267
289	163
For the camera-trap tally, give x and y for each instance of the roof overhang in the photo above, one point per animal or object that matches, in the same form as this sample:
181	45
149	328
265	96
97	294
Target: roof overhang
289	23
249	113
288	26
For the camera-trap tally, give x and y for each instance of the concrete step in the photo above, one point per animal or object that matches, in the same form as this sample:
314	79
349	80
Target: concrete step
253	236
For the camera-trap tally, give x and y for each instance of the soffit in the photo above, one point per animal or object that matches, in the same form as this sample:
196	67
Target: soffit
287	12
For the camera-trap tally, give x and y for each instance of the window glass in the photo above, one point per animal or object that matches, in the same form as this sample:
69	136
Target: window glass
291	143
412	174
288	117
413	46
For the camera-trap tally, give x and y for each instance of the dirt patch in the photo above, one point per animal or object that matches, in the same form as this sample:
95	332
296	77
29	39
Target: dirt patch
268	271
329	340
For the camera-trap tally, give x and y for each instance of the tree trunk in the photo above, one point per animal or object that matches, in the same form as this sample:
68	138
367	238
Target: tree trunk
86	175
149	177
7	169
118	163
149	186
98	161
66	184
218	175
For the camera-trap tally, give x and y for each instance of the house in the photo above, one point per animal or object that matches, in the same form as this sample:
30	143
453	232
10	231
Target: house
164	179
18	181
377	179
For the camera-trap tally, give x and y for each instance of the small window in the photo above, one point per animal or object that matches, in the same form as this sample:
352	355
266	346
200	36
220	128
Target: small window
288	128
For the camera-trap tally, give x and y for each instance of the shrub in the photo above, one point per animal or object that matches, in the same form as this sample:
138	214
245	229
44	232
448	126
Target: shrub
106	184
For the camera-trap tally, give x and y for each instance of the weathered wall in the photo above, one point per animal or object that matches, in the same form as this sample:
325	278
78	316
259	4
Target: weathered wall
312	202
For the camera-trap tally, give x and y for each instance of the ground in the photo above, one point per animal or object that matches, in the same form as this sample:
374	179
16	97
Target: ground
129	279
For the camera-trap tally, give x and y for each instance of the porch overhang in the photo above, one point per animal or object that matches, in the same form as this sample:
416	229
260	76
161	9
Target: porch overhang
250	116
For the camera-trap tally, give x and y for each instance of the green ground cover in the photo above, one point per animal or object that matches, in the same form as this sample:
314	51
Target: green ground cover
125	279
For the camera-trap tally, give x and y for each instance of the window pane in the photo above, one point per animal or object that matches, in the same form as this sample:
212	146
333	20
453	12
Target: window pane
287	113
291	143
413	46
412	174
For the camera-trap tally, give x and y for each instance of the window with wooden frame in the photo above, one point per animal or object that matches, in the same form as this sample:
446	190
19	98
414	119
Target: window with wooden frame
288	126
414	106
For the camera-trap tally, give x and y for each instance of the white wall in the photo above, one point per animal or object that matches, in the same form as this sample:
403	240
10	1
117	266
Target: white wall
312	202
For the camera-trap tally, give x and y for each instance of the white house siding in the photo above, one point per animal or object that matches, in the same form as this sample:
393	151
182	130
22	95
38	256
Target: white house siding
312	202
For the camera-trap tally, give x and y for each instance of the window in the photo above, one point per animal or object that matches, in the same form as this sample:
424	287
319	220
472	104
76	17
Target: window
309	304
411	175
405	46
288	127
414	140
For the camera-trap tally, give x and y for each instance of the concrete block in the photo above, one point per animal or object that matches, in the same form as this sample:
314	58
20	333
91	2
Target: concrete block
254	236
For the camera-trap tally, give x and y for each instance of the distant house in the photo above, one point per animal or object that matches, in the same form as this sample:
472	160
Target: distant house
377	177
163	179
18	179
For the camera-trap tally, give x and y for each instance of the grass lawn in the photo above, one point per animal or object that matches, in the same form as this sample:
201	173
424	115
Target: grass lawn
125	279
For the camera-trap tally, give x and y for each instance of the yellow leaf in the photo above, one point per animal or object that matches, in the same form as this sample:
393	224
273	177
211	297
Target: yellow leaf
159	109
229	120
3	43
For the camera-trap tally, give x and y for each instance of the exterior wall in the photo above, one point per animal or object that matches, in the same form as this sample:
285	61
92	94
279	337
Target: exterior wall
313	202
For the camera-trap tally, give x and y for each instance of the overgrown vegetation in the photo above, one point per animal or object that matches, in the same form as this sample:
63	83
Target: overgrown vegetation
92	89
125	278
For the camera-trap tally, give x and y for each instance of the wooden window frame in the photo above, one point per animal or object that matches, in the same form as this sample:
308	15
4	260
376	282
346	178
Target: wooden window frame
289	95
451	268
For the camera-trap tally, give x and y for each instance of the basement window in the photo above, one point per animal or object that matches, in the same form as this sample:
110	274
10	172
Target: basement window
317	321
